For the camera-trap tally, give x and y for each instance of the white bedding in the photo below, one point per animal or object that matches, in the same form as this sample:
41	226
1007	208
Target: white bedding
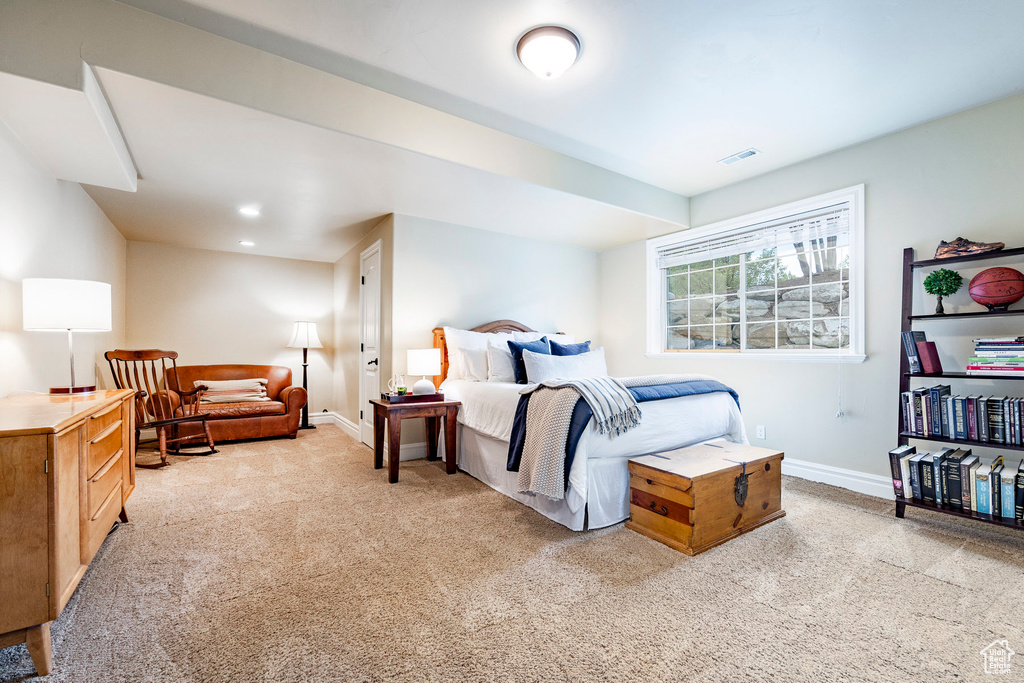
489	409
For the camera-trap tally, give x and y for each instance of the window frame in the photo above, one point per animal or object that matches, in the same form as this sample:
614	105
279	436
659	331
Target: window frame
656	283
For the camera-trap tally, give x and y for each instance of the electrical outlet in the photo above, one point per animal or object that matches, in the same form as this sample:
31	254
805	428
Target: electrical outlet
761	432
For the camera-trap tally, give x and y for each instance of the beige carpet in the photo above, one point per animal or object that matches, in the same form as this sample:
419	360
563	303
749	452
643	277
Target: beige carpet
295	560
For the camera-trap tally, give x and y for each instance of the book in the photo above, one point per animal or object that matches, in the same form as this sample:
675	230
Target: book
972	482
982	490
1000	340
915	475
990	372
928	478
938	467
1009	412
895	455
959	418
972	418
953	462
928	356
907	403
935	396
993	353
910	340
1018	504
919	410
947	416
1007	488
996	426
966	493
995	485
908	491
982	419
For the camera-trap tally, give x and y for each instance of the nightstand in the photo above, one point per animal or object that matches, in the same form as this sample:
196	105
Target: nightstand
394	413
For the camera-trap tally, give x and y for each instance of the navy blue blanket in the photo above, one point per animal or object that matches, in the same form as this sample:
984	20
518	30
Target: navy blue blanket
582	413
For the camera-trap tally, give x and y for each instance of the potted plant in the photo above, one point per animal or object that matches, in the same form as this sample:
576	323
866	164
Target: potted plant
943	282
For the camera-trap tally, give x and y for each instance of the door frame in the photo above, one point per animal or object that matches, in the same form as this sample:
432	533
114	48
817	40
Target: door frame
364	400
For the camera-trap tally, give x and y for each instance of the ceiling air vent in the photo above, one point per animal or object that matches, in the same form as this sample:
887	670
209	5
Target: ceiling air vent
738	156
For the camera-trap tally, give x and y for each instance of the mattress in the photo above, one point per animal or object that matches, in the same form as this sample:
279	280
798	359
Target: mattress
598	493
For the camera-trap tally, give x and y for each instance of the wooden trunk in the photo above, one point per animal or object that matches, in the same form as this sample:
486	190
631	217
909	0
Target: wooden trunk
687	498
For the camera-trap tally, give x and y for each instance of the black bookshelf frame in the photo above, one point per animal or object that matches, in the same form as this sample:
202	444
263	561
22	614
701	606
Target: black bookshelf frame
907	321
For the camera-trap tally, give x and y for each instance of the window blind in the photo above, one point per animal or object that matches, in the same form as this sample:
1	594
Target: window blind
819	224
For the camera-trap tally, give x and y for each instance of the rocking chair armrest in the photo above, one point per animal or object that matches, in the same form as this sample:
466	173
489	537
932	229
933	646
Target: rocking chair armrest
198	417
196	390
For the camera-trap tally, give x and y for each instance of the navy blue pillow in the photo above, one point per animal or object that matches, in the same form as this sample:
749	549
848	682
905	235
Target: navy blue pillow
517	348
569	349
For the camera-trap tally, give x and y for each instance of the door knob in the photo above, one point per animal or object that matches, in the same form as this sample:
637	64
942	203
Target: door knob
373	362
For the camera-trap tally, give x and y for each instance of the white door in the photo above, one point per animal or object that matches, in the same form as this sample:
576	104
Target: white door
369	338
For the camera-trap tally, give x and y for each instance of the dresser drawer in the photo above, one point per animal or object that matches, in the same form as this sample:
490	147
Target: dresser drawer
103	419
97	525
103	482
102	448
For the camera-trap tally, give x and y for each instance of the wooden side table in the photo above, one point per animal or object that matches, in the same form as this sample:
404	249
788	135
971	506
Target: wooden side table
394	413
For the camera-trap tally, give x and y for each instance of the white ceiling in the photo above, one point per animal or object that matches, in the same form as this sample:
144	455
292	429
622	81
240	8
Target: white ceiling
663	88
201	158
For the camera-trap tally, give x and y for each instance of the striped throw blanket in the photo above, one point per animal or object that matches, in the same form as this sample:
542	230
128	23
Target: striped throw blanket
549	413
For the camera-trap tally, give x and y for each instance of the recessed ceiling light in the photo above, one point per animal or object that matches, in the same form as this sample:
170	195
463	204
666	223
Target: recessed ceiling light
246	243
548	51
249	211
738	156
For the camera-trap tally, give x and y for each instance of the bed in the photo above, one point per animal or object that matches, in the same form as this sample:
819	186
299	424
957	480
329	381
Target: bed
598	479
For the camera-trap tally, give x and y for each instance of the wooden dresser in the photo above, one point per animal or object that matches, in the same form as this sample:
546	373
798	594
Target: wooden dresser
67	466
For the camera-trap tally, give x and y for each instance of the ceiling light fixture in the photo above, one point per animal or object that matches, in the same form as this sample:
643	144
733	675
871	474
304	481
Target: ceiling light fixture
246	243
548	51
739	156
249	211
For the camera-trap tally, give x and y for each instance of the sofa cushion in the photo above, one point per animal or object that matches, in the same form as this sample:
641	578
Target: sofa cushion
218	411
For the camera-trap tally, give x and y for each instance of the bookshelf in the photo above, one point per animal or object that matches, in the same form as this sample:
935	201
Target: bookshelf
906	324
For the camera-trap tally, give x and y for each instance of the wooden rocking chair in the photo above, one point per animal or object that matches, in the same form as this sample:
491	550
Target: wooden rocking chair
157	407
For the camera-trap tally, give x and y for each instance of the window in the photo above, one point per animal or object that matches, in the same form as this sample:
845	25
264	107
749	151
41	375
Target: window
785	283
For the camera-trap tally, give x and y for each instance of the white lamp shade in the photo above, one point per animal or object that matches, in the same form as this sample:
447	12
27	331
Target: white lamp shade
56	304
304	336
423	362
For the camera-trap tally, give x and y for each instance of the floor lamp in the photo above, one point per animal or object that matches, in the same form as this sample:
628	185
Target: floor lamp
304	337
59	305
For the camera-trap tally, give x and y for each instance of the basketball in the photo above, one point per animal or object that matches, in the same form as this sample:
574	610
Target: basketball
997	287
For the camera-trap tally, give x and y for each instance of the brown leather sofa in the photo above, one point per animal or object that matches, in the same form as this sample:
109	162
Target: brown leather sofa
252	420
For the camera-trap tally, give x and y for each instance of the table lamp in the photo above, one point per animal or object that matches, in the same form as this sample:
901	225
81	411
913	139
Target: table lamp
304	337
70	306
426	363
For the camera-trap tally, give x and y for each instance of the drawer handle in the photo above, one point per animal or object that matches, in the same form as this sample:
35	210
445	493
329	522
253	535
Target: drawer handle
109	410
663	511
106	468
106	432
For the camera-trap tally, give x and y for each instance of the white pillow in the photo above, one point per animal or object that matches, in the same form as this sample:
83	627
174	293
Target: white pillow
499	363
473	363
541	367
536	336
456	339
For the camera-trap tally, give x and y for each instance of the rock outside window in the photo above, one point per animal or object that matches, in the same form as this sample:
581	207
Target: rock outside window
786	284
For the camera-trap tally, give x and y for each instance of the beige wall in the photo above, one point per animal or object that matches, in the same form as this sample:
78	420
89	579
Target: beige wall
956	176
347	365
51	228
216	307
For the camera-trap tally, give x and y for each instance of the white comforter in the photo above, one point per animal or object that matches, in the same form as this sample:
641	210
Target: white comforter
490	408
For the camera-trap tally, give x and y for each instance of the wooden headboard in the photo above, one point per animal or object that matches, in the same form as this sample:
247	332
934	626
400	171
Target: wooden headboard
495	326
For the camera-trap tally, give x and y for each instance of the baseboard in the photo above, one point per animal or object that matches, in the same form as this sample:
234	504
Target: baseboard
861	482
410	451
332	418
